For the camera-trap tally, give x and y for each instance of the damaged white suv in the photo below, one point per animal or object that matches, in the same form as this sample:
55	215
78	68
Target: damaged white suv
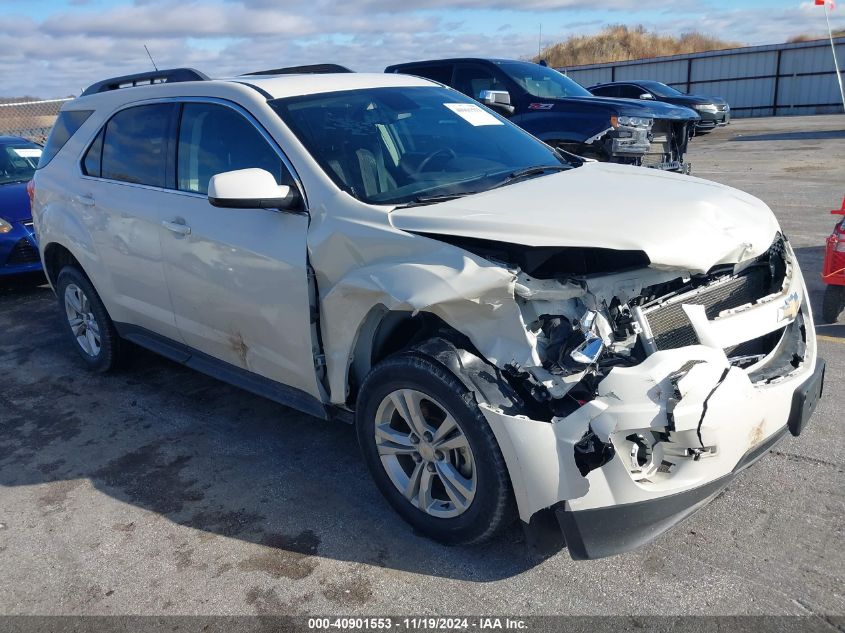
514	331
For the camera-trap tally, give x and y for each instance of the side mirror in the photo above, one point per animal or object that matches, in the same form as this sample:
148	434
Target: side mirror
647	95
250	189
498	99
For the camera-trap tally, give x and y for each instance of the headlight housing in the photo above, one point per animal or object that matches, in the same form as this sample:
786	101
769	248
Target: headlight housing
706	107
631	121
5	227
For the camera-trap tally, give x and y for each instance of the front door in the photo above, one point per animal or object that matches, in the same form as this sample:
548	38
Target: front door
238	277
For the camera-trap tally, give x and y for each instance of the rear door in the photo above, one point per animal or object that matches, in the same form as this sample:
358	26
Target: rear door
238	277
122	199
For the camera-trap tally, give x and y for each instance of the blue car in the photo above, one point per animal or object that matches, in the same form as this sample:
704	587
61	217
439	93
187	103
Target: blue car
18	246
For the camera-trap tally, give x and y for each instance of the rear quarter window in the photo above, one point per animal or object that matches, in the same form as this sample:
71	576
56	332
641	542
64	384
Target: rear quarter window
66	125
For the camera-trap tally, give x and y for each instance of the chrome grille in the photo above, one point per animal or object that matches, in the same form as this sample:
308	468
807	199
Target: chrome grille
669	324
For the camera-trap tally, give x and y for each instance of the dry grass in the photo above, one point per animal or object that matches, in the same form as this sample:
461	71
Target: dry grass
622	43
811	38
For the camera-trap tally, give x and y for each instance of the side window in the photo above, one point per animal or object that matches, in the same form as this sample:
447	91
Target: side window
471	80
628	91
441	73
92	163
135	145
606	91
66	125
214	139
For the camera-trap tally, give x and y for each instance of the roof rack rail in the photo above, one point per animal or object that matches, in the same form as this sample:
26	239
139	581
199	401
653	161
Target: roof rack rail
312	69
173	75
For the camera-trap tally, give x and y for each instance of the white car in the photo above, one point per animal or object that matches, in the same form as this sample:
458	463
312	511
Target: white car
516	332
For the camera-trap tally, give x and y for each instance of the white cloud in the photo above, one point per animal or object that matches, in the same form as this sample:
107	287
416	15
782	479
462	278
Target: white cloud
70	49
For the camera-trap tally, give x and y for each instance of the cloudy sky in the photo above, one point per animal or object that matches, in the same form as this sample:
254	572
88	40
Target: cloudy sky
57	47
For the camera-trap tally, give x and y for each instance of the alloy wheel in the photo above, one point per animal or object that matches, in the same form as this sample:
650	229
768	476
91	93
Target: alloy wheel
83	323
425	453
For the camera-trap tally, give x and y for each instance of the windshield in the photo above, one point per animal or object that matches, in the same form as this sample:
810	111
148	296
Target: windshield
542	81
397	145
662	90
18	160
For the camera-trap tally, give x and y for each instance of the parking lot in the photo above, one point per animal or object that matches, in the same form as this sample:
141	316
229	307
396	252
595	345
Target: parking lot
161	491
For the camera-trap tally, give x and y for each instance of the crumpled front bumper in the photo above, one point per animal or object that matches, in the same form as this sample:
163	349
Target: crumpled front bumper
702	420
627	142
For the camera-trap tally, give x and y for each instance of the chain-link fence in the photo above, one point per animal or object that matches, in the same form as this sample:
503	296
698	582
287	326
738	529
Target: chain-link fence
30	119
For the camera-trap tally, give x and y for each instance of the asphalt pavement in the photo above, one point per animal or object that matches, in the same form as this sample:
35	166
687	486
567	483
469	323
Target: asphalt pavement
158	490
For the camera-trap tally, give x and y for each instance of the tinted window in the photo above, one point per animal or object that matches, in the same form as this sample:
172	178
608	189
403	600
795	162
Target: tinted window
628	91
393	145
92	163
441	74
65	126
471	80
135	145
606	91
543	82
214	139
662	90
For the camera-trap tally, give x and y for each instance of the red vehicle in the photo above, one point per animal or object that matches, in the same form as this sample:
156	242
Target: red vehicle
833	272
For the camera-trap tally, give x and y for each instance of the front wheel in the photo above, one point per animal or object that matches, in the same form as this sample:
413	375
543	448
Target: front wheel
431	452
833	303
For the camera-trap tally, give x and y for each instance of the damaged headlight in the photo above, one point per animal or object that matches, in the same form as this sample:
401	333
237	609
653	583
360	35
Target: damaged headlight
573	345
589	350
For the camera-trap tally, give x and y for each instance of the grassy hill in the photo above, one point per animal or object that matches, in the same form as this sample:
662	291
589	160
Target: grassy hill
622	43
810	38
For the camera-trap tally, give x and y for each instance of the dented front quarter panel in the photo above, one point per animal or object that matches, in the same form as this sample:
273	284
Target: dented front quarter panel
362	263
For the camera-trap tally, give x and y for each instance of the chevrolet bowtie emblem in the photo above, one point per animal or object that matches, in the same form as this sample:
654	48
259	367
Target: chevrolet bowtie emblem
789	310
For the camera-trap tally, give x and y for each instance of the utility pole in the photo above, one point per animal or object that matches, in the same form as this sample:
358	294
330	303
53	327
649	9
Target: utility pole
540	43
833	48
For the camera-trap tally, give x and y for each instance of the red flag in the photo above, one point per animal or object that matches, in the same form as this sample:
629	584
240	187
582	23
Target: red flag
830	3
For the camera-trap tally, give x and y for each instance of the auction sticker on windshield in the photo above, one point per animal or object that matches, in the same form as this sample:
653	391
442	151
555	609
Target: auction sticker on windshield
27	152
473	114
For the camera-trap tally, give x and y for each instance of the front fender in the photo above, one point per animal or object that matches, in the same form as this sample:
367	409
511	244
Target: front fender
570	127
468	293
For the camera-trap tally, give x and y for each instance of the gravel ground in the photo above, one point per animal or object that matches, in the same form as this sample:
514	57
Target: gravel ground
161	491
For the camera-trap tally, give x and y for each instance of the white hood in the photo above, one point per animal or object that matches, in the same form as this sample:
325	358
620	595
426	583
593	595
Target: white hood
678	221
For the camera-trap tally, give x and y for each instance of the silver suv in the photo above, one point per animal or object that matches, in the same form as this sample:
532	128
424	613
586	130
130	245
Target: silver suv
515	331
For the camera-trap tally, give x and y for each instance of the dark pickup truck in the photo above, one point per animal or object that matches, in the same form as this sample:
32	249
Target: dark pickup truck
561	112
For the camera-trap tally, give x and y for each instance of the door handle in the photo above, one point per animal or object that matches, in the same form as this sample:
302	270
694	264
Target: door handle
180	228
86	200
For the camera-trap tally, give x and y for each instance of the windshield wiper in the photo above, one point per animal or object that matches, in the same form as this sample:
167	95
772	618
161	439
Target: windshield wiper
528	172
422	200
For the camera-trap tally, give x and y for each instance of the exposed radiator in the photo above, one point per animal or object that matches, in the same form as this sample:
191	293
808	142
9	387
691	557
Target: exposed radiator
669	324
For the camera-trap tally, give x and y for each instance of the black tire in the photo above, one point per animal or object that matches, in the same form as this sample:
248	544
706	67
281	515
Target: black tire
108	356
833	303
493	508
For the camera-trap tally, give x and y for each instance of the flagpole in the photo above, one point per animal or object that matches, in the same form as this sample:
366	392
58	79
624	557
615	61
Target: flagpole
835	60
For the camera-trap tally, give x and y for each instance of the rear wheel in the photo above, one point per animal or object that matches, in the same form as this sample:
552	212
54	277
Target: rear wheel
833	303
431	452
86	321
